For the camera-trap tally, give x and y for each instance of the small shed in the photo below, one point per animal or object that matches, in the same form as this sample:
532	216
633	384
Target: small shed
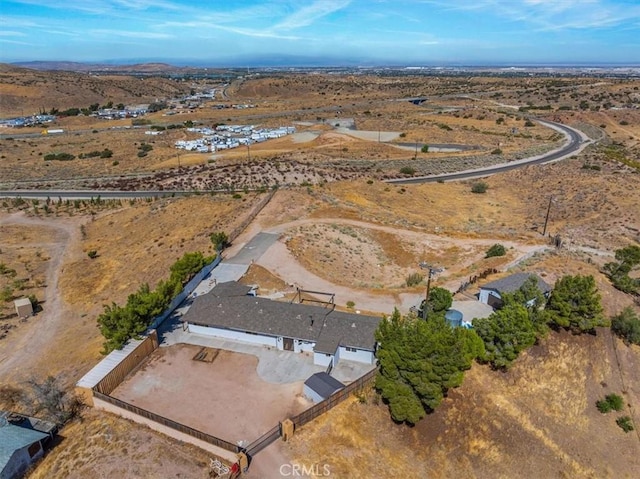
24	308
320	386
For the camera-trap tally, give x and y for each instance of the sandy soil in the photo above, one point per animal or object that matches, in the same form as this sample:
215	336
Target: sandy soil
21	352
225	398
296	268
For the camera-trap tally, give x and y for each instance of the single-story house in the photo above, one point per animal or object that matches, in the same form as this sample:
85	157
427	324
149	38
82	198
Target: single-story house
320	386
22	442
491	293
230	311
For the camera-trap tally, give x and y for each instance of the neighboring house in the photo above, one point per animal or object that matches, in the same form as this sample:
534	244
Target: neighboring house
491	293
229	312
22	442
320	386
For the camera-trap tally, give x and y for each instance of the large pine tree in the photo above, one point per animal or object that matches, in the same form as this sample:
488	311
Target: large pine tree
419	361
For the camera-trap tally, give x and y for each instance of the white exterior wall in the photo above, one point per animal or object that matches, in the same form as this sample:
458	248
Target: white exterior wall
304	347
19	463
320	359
360	355
484	294
234	335
311	394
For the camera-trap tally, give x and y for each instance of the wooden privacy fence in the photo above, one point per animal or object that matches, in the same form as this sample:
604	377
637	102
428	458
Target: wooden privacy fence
333	400
252	216
263	441
208	438
114	377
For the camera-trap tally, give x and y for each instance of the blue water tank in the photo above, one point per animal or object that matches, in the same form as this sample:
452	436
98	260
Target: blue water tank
454	318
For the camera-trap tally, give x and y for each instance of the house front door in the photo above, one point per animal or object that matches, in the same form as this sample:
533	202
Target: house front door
287	344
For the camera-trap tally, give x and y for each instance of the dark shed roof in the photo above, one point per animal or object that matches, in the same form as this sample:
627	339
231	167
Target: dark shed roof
276	318
323	384
511	284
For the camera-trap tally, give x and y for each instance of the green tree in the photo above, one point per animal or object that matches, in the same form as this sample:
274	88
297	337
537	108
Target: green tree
425	149
505	333
575	304
440	299
419	362
618	272
220	240
627	326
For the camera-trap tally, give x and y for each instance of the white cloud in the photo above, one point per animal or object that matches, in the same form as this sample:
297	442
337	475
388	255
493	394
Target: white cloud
309	14
130	34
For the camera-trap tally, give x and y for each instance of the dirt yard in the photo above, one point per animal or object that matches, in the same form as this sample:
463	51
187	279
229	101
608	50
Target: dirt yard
225	398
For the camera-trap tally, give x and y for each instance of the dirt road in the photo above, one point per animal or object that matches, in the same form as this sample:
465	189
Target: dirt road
281	261
21	351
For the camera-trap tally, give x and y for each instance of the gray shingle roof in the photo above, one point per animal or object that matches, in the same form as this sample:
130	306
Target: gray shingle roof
13	438
323	384
275	318
511	284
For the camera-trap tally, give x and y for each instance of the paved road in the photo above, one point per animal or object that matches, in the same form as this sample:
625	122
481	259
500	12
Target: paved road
88	194
575	142
254	249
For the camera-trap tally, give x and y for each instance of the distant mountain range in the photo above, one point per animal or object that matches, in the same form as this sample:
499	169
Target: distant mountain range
274	61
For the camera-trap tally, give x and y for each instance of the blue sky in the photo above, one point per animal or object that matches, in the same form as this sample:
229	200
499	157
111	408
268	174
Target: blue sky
367	32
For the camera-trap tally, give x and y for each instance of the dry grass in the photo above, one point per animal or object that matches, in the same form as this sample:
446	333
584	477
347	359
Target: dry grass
102	445
537	420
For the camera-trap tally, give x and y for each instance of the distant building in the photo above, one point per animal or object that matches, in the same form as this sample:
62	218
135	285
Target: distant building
491	293
24	308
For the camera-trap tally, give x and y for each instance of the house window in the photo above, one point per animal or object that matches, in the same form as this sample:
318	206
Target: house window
34	449
351	350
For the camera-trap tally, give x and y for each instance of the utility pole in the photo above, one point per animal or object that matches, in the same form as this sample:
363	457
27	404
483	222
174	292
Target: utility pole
432	270
546	219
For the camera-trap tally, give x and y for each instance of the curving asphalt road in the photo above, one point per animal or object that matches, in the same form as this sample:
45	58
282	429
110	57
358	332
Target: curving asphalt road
575	142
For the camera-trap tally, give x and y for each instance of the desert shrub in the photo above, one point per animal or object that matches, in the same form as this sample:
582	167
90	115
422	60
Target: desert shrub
414	279
497	151
351	304
92	254
611	402
6	294
627	326
495	250
407	170
625	423
220	240
624	122
425	149
529	124
58	157
479	187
